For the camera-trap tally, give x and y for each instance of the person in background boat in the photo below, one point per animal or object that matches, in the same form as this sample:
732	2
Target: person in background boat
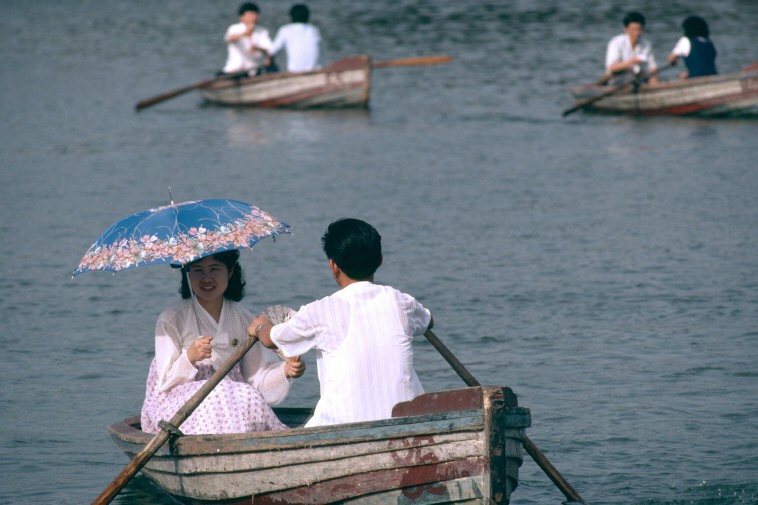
629	54
696	48
362	334
247	43
195	337
300	39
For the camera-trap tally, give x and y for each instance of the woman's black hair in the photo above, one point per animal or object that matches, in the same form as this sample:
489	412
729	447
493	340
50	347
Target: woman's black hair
235	291
695	26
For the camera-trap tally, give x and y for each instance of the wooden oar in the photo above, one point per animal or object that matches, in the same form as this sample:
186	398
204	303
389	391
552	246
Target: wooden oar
181	415
530	447
615	89
171	94
439	59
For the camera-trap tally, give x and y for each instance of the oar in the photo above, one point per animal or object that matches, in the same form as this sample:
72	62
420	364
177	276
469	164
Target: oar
615	89
530	447
147	102
439	59
181	415
589	101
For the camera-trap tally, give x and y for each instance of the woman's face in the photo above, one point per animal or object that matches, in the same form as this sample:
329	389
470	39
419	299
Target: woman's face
209	278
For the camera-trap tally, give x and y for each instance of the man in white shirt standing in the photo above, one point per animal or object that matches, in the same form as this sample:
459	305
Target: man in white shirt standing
362	334
630	54
300	39
247	43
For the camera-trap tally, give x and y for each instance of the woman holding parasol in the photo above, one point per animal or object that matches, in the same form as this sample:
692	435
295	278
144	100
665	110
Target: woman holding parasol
197	335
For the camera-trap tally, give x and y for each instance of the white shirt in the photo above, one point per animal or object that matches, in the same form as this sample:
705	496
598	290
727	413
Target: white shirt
301	41
620	49
363	338
683	47
177	328
238	54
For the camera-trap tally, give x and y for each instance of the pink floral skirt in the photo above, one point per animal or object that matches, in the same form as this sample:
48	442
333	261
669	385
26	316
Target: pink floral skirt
234	406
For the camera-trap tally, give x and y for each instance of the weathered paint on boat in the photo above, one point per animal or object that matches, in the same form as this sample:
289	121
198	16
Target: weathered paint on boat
460	446
344	83
734	94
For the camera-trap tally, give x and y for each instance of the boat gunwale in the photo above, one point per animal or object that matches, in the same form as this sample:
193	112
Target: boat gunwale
590	90
347	64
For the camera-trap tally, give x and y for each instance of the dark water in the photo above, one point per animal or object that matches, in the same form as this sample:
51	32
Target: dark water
604	267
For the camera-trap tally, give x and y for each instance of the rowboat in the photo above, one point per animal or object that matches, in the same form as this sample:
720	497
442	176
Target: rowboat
461	446
733	94
344	83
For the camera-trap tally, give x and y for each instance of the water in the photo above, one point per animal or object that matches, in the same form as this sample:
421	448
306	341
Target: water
603	267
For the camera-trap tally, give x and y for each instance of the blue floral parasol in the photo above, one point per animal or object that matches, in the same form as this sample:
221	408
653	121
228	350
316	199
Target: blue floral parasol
179	234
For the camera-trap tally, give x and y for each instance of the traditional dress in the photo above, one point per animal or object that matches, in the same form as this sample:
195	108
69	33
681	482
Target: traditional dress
240	402
363	336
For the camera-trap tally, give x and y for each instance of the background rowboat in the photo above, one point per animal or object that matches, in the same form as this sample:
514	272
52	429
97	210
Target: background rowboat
460	445
344	83
734	94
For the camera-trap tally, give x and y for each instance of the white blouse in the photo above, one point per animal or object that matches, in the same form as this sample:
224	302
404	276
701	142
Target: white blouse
178	326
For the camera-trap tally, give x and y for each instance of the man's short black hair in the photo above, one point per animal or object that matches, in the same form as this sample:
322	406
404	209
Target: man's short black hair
248	7
634	17
299	13
355	246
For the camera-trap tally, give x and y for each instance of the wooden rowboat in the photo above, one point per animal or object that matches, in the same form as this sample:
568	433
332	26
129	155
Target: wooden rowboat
344	83
734	94
461	446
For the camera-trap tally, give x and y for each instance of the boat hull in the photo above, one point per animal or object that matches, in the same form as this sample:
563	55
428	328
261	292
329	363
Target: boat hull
733	94
460	446
345	83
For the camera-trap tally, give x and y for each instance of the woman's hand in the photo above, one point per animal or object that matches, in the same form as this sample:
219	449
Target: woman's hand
294	367
199	350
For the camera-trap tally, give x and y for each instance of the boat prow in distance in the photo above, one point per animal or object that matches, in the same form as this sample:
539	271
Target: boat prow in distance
725	95
461	446
344	83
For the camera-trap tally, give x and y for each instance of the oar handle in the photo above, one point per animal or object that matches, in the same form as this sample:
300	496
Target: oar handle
464	374
439	59
530	446
180	91
141	458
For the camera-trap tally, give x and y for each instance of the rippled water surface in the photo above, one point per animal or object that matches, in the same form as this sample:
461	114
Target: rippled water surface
604	267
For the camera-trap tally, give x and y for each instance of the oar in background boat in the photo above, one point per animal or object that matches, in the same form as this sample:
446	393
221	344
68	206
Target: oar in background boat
438	59
539	458
181	415
147	102
613	90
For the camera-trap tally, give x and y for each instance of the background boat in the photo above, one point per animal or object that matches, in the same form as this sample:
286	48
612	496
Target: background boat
733	94
460	446
344	83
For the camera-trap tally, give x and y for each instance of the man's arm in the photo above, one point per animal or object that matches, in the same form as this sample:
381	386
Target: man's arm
260	328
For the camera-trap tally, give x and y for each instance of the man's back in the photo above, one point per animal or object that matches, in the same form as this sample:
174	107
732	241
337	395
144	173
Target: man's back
301	41
363	336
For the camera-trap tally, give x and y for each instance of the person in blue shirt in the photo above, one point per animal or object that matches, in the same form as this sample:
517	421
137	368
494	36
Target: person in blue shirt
696	48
